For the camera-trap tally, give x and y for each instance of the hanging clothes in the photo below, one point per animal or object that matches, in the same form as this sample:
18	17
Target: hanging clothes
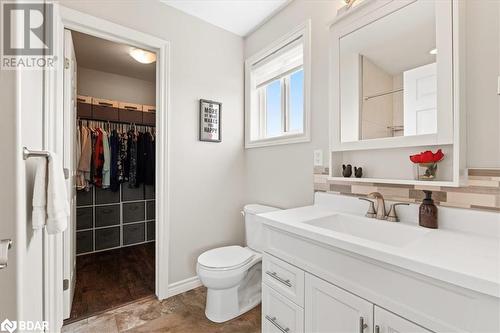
123	171
83	168
114	175
107	158
98	158
132	149
107	161
149	164
141	160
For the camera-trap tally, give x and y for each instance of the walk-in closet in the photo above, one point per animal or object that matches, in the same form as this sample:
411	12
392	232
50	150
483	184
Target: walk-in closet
114	158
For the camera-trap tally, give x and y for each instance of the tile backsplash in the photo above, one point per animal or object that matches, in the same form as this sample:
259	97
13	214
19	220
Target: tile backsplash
482	191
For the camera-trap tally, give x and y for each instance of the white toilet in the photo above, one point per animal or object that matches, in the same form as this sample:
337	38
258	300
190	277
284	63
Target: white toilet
233	274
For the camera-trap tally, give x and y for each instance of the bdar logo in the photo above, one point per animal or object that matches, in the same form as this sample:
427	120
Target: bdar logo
9	326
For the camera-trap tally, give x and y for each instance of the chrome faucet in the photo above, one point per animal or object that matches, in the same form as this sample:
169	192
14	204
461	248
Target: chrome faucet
380	208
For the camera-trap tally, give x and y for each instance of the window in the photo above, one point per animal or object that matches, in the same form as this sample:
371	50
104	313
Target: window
276	107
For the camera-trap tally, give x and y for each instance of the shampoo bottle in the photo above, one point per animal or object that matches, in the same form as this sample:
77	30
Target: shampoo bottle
428	216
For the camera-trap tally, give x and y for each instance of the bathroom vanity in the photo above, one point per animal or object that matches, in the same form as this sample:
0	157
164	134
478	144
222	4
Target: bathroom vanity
327	268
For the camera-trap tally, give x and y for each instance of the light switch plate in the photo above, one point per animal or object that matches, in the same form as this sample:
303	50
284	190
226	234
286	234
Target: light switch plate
318	157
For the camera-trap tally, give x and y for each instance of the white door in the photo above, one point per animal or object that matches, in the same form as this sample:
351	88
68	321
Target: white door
387	322
420	100
330	309
69	161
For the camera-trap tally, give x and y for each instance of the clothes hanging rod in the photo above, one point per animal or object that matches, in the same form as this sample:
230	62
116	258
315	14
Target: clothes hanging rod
383	94
113	121
34	153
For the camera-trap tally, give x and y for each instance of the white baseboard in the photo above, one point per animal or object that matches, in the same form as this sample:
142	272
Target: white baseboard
182	286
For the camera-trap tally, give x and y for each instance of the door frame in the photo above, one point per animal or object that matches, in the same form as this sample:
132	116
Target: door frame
74	20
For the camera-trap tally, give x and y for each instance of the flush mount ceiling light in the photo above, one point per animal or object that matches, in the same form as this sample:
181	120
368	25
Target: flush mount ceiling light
142	56
433	51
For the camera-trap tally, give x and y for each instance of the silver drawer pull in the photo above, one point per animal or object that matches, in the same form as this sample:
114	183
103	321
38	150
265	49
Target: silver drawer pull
275	276
275	323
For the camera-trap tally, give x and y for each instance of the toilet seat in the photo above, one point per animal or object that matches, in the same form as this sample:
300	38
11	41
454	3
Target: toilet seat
225	258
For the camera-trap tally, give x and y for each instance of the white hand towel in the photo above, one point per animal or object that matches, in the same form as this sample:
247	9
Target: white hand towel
57	199
39	213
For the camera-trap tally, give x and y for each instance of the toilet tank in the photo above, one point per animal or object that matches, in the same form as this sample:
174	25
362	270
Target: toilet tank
253	225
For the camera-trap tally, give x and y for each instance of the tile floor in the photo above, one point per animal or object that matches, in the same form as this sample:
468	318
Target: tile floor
184	313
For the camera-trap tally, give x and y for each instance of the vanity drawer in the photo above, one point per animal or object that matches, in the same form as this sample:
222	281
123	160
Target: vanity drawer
283	277
279	314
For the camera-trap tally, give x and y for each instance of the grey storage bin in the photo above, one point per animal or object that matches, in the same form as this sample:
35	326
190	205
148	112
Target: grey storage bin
84	218
132	193
150	230
133	233
149	191
84	198
150	210
107	238
133	212
84	241
106	196
107	215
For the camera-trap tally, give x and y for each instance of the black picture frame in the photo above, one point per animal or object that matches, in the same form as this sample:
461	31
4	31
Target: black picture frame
210	115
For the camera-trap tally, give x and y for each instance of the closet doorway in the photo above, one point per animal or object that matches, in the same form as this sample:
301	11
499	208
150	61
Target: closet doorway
111	141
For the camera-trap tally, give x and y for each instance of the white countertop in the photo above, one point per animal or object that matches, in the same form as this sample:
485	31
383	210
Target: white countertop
461	258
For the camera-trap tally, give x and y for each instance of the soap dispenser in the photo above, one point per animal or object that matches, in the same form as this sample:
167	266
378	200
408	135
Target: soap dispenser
428	212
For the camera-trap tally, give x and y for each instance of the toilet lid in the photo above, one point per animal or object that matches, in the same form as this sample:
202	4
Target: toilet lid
225	257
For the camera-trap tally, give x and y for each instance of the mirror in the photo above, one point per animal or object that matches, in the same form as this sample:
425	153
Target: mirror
388	76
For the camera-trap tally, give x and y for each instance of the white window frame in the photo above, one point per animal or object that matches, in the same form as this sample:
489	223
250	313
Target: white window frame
255	98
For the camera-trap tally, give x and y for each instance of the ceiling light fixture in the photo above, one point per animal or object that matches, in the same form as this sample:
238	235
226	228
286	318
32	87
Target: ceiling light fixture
143	56
433	51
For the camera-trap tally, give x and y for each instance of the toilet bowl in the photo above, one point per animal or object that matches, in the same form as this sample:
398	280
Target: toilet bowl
233	274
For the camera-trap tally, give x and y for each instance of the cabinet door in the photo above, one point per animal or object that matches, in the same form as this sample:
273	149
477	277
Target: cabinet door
279	314
330	309
388	322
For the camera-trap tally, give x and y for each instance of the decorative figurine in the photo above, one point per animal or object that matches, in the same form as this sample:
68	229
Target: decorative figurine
358	172
346	170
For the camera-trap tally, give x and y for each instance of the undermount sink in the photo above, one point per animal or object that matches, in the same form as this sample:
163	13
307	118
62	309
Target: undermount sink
389	233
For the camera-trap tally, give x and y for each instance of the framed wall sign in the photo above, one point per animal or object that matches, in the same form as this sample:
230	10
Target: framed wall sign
210	121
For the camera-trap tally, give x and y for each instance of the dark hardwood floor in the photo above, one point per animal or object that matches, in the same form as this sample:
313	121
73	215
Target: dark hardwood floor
112	278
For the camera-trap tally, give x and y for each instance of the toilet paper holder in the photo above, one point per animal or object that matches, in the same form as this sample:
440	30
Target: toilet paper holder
7	244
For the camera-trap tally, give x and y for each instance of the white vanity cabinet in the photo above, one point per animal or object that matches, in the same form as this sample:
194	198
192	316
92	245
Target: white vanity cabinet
326	307
388	322
331	309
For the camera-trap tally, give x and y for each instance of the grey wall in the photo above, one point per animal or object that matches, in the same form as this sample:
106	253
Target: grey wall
206	178
115	87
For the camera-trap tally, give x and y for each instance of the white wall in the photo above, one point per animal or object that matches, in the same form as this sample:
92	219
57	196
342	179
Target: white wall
483	68
115	87
9	287
283	175
206	178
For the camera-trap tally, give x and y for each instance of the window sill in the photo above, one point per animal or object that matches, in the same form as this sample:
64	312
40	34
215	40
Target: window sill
279	140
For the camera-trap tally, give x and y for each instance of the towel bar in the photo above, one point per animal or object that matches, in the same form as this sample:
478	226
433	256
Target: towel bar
34	153
40	153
